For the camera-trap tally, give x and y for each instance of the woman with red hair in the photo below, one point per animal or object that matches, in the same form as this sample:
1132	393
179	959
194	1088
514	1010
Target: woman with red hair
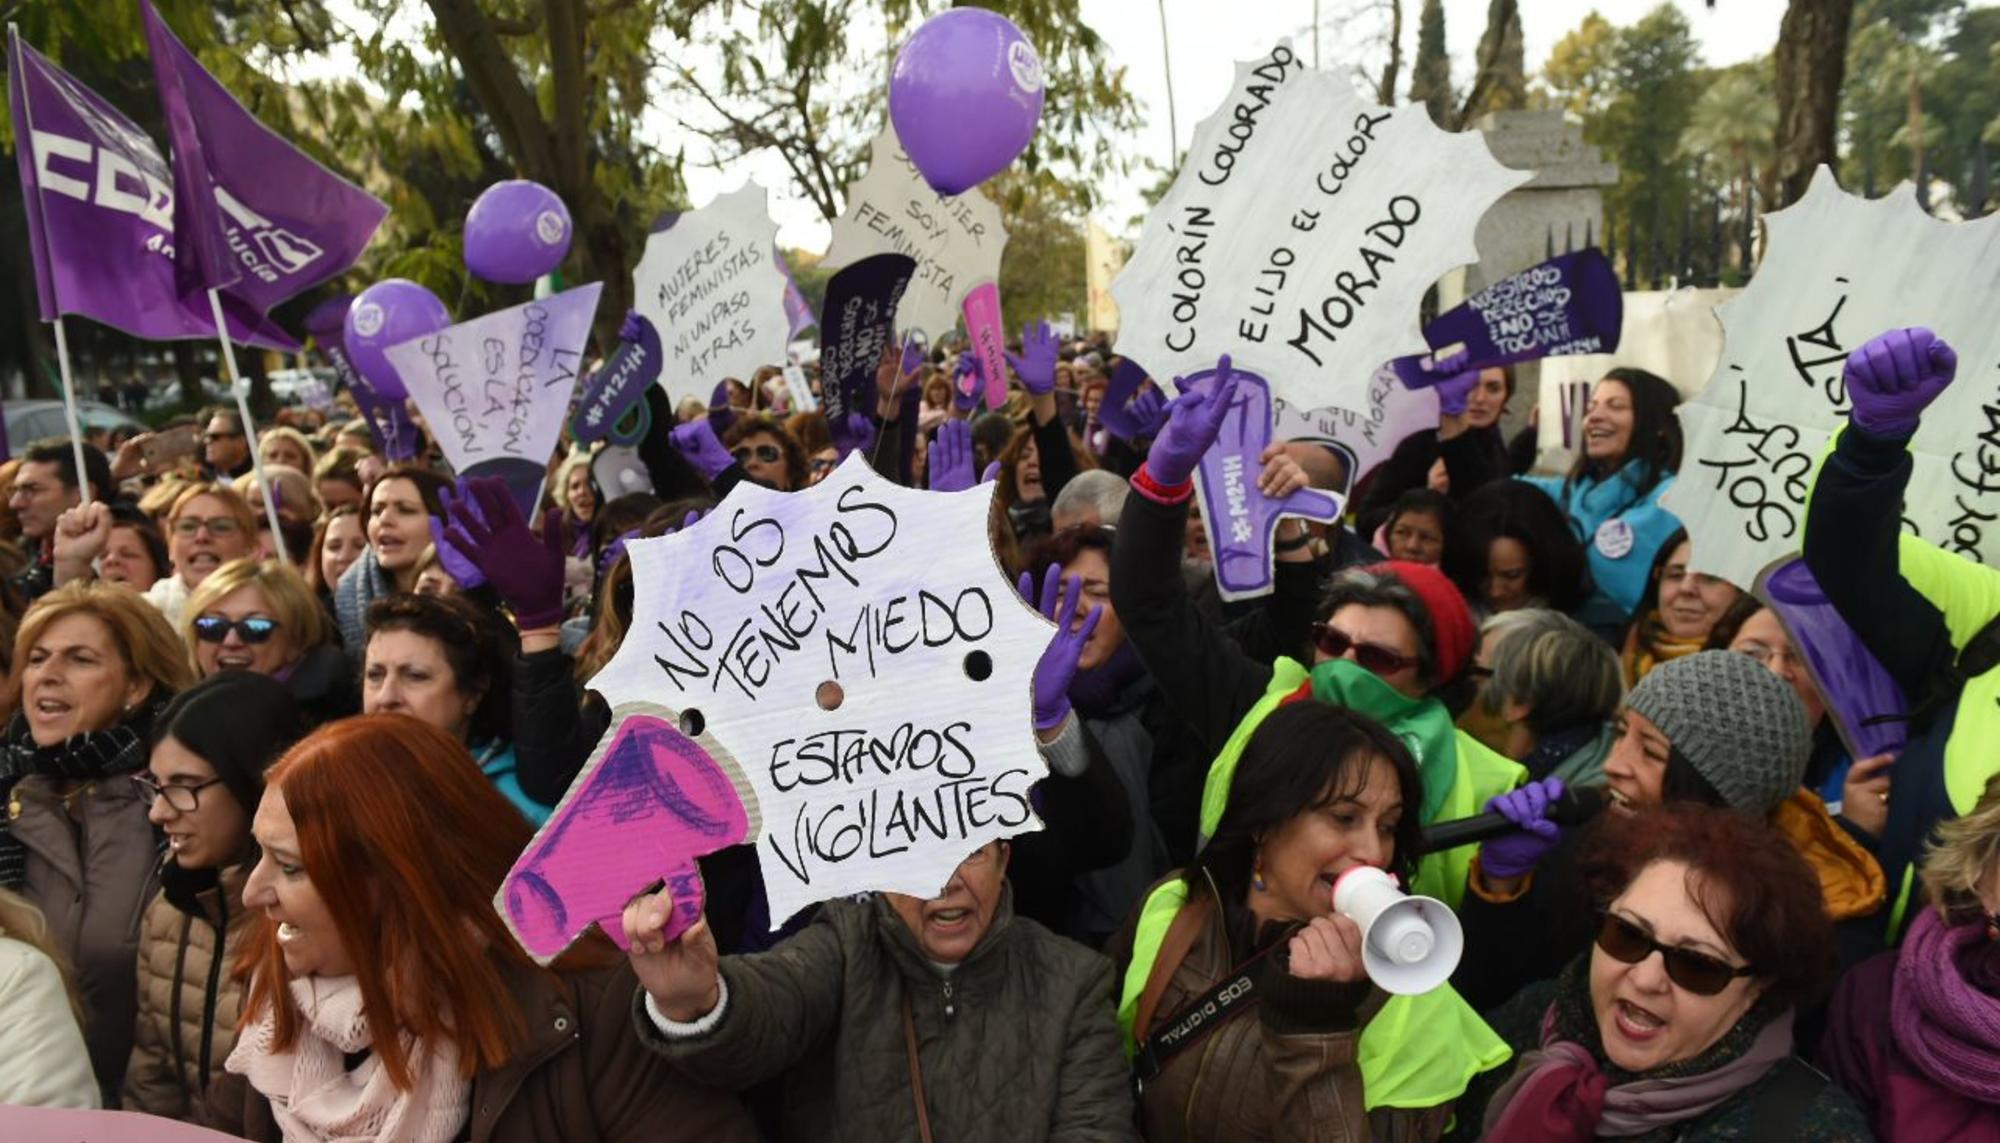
386	999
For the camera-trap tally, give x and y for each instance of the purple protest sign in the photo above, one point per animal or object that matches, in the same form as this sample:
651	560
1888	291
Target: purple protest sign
1868	707
648	804
857	325
100	207
1241	520
388	422
989	340
620	385
254	215
798	308
1567	305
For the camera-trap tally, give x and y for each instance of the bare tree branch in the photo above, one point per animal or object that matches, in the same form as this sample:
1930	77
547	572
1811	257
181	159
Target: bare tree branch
1499	16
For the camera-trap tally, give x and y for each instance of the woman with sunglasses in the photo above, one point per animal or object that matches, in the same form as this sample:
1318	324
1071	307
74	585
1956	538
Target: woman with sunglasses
262	617
1388	639
385	998
1915	1034
1712	729
767	453
94	664
1678	1021
210	748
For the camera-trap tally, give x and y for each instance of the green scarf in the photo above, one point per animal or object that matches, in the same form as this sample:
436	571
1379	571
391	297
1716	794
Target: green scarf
1423	724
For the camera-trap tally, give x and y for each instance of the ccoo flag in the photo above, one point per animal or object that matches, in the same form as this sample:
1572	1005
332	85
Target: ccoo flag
100	204
257	218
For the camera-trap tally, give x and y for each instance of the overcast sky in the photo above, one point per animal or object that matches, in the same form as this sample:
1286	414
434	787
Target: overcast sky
1208	36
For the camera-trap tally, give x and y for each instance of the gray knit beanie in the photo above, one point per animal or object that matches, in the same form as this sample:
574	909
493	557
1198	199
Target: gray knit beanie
1742	727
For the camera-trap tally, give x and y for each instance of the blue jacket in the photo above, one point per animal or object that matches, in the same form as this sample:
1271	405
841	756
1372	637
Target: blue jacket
496	761
1619	568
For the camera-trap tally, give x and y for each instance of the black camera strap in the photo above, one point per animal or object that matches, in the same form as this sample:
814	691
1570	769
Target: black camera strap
1234	993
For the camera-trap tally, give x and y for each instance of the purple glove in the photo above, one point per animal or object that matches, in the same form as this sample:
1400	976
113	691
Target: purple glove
488	528
951	458
851	433
455	563
1058	666
697	441
991	474
1517	853
1131	412
721	414
1193	423
1036	364
1454	383
1894	376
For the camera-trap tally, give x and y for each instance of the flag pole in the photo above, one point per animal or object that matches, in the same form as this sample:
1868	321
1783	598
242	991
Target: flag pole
69	413
249	426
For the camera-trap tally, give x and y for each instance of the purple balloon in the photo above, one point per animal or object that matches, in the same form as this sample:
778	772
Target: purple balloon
964	95
515	232
390	312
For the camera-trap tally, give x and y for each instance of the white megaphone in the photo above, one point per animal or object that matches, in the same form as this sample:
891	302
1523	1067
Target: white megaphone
1409	945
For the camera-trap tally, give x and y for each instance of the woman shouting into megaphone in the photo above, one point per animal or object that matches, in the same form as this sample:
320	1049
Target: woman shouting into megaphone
1324	1053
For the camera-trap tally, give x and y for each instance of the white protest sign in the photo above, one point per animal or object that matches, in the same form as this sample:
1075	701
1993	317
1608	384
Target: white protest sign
1368	435
1838	270
1301	234
497	387
799	389
709	285
956	241
864	665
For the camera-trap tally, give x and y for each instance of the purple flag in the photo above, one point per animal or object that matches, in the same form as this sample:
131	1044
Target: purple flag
100	205
255	216
798	309
395	434
1867	705
1567	305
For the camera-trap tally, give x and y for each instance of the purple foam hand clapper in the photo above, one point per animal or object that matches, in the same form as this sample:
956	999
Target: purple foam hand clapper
1868	706
620	386
1241	519
647	805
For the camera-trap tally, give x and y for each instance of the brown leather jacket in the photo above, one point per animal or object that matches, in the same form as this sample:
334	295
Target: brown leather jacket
93	861
1283	1069
581	1076
188	998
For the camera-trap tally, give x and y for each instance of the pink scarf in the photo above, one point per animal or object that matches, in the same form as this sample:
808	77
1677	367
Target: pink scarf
1947	1027
315	1099
1559	1093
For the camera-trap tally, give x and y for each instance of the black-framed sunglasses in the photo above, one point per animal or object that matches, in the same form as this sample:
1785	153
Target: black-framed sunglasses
1699	973
186	799
767	454
1374	657
254	630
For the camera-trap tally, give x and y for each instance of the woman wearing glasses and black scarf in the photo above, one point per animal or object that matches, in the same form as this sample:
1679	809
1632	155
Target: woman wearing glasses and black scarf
204	781
1677	1022
264	618
1389	638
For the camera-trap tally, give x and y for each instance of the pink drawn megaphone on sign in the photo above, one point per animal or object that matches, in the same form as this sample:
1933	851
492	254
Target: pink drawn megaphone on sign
649	803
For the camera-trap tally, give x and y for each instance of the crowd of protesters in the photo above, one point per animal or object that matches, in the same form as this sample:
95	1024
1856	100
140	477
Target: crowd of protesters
261	791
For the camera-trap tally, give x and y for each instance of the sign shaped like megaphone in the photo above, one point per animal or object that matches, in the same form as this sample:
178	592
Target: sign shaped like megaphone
1409	945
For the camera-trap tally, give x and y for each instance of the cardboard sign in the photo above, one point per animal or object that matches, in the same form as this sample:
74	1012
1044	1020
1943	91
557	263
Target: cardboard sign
1839	270
863	669
22	1124
1301	234
1568	305
1241	520
861	303
661	796
988	335
956	241
494	389
799	389
1867	704
709	284
619	386
1365	436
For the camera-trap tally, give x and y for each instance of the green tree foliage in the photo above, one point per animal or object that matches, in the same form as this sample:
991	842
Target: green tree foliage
1430	72
1042	271
1733	129
1580	76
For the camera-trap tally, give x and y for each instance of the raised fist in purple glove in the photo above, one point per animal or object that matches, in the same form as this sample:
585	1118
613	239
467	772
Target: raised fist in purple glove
1193	423
487	527
1059	602
1517	853
697	441
1036	363
951	458
1894	376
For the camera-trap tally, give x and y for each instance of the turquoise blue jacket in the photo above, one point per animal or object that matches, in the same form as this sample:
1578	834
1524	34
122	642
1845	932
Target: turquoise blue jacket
496	761
1620	569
